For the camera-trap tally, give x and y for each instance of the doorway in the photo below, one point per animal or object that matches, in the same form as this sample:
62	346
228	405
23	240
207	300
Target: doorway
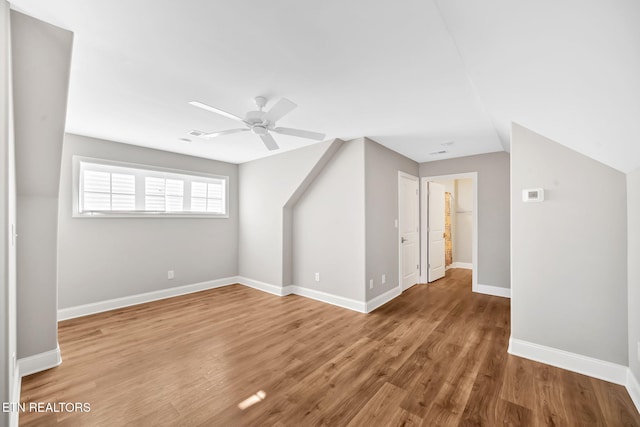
460	233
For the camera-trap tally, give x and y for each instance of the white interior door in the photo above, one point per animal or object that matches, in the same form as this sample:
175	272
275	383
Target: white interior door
435	231
409	229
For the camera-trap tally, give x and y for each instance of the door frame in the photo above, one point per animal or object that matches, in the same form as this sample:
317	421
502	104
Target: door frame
424	208
398	228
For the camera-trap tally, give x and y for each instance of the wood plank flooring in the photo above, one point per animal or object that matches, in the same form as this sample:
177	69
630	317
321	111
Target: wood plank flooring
435	356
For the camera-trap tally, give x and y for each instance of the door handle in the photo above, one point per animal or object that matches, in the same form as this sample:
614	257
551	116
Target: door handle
402	240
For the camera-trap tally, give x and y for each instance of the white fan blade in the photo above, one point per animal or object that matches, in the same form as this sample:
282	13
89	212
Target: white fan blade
269	142
223	132
217	111
301	133
278	111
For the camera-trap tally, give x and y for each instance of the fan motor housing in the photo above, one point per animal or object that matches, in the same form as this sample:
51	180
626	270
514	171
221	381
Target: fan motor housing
255	117
259	130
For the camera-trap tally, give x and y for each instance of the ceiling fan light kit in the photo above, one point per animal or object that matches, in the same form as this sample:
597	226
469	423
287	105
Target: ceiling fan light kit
259	122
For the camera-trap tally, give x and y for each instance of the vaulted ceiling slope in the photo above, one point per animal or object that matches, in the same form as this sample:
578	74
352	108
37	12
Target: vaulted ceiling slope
569	69
414	75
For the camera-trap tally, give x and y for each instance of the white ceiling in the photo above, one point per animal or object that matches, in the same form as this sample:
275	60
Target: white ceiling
410	74
569	70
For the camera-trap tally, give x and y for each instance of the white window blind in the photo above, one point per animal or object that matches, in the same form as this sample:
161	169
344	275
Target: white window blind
207	197
110	188
164	195
105	191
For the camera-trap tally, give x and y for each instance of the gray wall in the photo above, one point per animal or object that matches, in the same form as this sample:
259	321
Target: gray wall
266	185
381	210
329	227
105	258
8	372
41	58
569	253
493	210
633	257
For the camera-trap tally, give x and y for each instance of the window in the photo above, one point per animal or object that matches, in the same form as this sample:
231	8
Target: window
106	188
108	191
163	194
207	196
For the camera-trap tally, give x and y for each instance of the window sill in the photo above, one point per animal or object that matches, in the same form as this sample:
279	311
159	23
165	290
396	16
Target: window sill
105	215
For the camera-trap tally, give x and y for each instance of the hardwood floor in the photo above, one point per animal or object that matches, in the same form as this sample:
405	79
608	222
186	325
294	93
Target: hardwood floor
436	355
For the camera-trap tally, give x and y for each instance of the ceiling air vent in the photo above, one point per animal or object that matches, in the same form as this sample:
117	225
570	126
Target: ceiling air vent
195	133
435	153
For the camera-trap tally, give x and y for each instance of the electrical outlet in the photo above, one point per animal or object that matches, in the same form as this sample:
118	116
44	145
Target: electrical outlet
170	275
371	284
317	277
384	279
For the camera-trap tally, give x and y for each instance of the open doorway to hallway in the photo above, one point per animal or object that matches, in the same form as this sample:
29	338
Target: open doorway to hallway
449	225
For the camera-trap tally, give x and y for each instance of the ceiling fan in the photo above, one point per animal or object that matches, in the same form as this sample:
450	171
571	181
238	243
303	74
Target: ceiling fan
260	122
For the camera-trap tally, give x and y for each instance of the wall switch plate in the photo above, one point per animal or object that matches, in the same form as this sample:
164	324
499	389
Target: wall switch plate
170	275
395	223
384	279
638	351
317	277
371	284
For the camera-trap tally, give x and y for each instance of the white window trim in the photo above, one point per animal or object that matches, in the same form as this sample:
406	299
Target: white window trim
75	191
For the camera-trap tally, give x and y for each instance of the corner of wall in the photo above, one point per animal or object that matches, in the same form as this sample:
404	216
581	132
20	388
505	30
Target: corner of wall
328	227
287	210
554	241
633	272
9	375
382	167
15	398
40	362
41	63
633	387
493	211
266	185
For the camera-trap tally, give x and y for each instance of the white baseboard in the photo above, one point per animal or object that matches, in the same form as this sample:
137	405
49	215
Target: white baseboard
410	286
112	304
263	286
466	265
380	300
343	302
585	365
633	387
601	369
496	291
39	362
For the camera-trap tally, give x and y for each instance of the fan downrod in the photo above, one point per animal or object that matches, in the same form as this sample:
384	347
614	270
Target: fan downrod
260	101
